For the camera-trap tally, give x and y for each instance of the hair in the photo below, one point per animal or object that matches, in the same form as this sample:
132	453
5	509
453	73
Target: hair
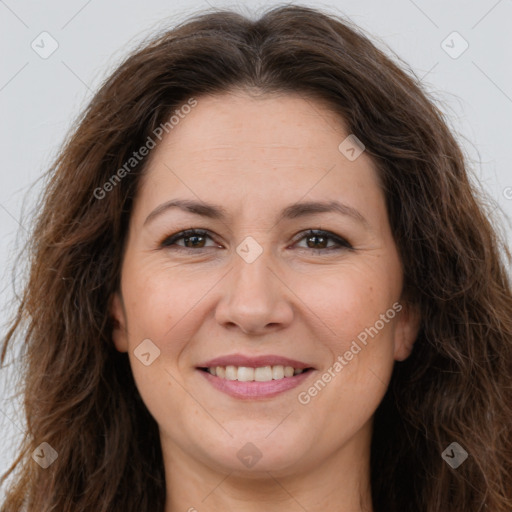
79	392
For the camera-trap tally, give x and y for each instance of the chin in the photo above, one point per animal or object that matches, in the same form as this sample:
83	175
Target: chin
255	456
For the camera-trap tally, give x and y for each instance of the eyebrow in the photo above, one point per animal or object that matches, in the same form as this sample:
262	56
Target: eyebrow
290	212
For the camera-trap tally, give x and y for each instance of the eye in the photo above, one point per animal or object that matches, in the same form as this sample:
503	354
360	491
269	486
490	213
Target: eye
197	238
193	238
321	239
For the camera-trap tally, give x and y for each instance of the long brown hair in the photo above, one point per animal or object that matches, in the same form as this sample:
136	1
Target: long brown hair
79	393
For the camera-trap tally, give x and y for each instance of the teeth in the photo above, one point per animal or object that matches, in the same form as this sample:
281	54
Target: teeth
248	374
277	372
245	374
262	374
231	373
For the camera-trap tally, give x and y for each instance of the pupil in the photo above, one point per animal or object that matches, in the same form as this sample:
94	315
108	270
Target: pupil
195	237
317	237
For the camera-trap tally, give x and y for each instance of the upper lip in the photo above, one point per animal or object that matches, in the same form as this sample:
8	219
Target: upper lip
254	361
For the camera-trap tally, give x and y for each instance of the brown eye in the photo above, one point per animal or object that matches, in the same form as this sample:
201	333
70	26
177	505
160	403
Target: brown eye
318	240
192	239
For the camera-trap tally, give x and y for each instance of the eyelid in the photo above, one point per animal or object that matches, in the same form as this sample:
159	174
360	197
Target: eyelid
169	240
342	243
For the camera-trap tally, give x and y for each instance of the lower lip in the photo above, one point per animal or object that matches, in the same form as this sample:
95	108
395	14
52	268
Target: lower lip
253	390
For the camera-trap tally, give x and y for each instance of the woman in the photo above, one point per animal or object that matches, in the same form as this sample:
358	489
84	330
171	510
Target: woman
261	278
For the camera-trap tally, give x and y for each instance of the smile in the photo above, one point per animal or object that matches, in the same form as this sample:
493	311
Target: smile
252	377
248	374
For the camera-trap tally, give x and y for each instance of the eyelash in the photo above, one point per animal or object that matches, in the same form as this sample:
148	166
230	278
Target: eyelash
170	241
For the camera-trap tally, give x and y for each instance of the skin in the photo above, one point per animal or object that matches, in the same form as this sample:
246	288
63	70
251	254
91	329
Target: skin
255	155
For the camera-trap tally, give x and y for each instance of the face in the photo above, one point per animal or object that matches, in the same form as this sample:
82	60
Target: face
276	277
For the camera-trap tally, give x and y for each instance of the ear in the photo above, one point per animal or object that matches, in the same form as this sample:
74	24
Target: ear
118	316
406	331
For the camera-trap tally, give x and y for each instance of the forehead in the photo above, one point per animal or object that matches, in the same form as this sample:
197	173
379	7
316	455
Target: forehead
266	148
268	121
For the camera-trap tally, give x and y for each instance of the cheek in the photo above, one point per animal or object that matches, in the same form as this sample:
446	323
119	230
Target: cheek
357	327
154	314
349	301
158	304
349	389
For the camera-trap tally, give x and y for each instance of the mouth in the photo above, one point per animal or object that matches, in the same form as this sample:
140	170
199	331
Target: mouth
249	374
254	378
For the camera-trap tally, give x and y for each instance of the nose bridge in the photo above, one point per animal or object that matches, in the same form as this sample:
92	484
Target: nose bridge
255	298
252	276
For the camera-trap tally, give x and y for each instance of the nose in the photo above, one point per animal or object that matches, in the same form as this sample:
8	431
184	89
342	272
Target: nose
255	298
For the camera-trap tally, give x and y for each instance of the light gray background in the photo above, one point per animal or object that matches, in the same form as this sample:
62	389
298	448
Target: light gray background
40	98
